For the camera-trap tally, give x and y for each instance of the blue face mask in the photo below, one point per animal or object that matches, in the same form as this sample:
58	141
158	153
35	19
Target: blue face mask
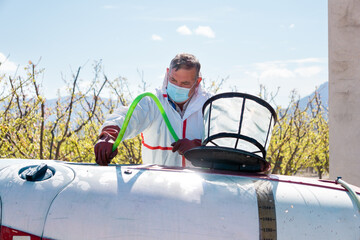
178	94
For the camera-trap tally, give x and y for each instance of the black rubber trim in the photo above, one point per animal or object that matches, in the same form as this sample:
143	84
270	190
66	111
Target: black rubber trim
241	120
223	158
243	95
267	135
238	136
209	119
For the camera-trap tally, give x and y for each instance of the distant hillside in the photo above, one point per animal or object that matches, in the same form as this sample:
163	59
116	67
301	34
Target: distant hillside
77	108
323	91
51	103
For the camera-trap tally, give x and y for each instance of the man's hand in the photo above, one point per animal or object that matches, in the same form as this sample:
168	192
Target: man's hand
182	145
103	147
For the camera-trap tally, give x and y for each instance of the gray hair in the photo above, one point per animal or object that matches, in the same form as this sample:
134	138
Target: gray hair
185	61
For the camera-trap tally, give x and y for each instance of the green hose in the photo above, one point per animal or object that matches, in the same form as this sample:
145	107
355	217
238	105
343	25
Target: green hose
352	192
130	112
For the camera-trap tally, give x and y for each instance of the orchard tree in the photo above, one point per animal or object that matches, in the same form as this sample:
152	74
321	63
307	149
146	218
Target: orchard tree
67	130
300	139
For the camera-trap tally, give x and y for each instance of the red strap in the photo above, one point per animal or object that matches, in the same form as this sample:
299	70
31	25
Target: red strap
184	128
151	147
164	95
183	136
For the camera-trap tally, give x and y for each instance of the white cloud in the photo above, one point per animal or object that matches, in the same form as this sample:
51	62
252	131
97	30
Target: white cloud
291	61
155	37
274	73
6	65
305	68
184	30
292	26
85	84
252	74
264	66
308	71
299	74
205	31
110	7
309	60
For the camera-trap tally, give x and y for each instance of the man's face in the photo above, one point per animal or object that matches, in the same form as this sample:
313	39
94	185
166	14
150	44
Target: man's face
185	78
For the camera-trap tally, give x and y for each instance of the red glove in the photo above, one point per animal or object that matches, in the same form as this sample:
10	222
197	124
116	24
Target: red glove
182	145
103	147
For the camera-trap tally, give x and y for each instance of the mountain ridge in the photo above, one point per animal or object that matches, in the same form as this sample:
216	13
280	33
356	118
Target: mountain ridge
323	92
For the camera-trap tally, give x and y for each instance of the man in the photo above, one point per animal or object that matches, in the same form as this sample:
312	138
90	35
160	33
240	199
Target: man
182	98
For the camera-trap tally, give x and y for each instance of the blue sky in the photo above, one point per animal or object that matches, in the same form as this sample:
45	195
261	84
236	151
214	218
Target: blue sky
281	43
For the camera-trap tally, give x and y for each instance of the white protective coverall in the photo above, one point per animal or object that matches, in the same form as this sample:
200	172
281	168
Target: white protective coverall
156	138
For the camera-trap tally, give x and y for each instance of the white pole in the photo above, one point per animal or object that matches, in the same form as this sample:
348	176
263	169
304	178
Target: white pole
344	89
